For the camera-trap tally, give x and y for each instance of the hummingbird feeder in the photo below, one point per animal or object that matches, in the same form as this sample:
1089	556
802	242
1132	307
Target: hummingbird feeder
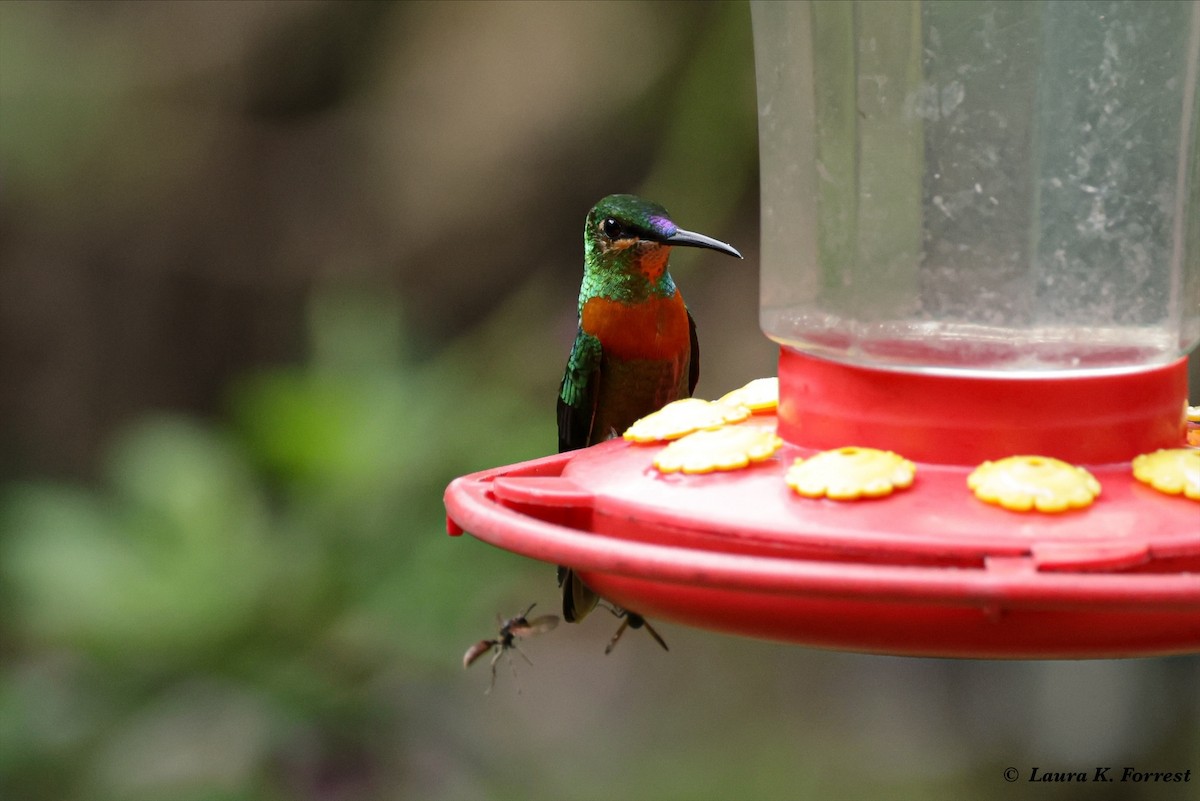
981	261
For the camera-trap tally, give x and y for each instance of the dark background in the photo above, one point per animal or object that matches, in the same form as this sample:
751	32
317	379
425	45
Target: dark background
271	275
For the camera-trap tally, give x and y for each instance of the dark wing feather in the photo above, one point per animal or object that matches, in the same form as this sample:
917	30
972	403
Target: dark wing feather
578	395
578	599
694	361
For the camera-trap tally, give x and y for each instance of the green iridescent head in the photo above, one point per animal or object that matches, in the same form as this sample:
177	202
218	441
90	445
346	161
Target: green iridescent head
626	232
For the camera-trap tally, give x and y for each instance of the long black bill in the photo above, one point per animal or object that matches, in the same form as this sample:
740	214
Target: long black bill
682	238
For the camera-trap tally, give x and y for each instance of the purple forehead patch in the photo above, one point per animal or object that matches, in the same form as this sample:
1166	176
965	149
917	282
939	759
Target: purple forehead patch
663	226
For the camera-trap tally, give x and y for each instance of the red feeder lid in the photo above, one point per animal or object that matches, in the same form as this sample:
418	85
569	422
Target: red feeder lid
929	570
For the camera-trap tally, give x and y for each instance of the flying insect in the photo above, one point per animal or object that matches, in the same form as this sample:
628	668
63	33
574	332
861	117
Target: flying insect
510	630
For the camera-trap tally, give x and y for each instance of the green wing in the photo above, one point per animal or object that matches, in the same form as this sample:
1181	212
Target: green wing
577	398
578	393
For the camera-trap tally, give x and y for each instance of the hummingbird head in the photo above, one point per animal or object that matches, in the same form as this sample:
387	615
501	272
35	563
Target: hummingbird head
624	233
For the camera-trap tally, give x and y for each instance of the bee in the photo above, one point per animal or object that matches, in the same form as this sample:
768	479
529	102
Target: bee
511	629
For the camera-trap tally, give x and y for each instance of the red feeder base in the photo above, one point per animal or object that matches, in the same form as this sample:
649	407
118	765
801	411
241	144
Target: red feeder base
927	571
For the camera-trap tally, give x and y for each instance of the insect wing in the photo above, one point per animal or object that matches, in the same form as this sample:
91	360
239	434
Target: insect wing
539	625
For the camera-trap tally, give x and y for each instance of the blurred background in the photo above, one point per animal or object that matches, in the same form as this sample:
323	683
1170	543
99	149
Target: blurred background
271	275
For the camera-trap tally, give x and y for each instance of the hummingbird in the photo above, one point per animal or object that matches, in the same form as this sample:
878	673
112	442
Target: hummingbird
635	349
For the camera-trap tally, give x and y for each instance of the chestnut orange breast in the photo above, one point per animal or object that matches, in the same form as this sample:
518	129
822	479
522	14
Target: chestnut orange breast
656	328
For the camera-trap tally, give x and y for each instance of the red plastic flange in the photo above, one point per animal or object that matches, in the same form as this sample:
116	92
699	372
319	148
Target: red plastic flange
967	419
929	570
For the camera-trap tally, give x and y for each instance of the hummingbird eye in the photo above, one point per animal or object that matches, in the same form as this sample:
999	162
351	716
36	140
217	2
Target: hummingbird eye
612	228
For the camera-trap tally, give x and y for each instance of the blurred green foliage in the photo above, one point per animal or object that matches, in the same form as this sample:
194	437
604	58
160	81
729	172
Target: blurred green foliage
298	259
257	576
274	274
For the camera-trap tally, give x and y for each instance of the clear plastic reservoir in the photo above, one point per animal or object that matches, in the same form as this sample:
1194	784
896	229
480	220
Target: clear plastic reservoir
981	186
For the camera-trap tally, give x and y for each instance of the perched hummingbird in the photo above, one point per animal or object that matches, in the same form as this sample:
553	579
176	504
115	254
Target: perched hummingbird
636	348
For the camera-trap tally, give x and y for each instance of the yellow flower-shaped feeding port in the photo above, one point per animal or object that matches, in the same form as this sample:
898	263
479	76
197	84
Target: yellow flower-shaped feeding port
1193	414
683	417
1174	471
730	448
1022	483
847	474
759	396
